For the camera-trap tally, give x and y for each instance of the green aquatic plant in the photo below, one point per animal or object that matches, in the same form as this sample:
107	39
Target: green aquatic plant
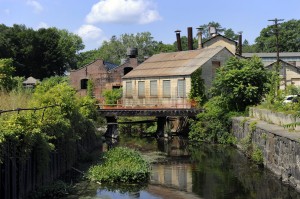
120	164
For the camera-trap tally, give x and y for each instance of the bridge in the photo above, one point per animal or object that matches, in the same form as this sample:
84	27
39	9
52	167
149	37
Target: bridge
162	114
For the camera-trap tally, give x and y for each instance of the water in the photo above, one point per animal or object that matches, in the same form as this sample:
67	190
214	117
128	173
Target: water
205	171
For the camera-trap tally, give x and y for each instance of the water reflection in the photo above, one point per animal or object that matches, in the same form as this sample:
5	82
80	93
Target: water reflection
193	172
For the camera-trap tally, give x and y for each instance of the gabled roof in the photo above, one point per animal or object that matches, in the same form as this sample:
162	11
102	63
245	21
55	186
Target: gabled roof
174	63
218	36
286	63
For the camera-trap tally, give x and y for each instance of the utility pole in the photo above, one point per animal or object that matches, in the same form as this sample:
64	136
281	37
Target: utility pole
276	31
276	34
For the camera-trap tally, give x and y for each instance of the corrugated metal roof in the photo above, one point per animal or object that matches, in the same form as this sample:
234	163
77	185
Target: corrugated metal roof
110	66
175	63
282	54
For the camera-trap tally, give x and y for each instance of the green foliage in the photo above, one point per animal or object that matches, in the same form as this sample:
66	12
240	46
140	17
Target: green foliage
90	88
243	82
39	53
54	128
6	74
214	124
56	190
238	84
112	96
257	155
120	165
197	92
289	34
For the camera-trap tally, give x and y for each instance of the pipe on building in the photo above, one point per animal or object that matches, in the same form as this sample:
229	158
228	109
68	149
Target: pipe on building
199	38
240	51
179	48
190	38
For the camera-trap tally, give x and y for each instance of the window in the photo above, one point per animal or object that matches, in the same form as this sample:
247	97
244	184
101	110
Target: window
129	89
141	89
83	83
127	70
181	88
215	65
153	88
166	88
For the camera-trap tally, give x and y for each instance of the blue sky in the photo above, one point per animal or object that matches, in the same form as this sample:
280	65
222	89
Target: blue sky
98	20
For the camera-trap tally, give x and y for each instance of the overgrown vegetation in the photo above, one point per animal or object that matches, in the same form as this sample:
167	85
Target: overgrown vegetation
112	96
121	165
197	92
238	84
251	150
53	128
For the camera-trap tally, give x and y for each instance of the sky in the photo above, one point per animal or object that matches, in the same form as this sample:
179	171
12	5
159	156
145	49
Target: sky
98	20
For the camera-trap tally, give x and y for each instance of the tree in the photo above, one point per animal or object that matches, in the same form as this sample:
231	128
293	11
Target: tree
289	38
115	49
6	71
40	53
242	82
247	48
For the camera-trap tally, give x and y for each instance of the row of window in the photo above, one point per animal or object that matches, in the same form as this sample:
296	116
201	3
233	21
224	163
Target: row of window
166	88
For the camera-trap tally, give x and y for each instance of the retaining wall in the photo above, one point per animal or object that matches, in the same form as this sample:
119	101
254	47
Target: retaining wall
279	146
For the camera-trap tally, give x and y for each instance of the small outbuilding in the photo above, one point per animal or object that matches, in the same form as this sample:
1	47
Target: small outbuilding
30	82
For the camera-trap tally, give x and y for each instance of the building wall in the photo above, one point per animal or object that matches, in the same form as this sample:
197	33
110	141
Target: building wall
159	101
102	78
220	41
208	72
292	76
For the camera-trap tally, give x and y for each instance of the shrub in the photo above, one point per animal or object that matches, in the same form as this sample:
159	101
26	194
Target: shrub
121	164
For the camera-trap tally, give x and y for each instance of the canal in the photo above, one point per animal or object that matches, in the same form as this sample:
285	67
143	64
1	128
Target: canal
192	172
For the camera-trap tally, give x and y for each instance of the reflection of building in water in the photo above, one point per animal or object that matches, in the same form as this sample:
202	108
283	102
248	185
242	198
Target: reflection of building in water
174	147
176	176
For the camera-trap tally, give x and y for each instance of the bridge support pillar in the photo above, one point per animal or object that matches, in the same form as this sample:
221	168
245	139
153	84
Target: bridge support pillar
161	123
112	127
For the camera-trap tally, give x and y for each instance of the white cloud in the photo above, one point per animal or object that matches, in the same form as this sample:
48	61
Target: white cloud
123	11
91	35
89	32
36	5
42	25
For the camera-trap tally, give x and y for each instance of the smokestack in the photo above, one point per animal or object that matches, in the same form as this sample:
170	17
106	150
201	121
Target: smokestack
240	51
190	38
178	40
199	38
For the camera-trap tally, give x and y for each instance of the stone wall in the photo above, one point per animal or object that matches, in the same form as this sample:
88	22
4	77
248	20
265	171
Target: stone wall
279	146
272	117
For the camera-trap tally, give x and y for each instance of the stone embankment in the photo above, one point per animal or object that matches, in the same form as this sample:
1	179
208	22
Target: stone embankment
280	146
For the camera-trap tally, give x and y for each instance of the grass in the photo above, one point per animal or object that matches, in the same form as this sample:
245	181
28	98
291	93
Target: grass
14	99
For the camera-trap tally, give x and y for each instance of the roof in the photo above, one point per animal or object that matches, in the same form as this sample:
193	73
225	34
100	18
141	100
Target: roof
219	35
30	80
174	63
109	66
274	55
286	63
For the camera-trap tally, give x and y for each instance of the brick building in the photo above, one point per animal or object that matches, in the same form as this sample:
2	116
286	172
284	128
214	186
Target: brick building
104	75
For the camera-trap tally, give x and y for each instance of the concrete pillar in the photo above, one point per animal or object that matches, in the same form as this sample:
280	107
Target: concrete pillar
112	127
161	122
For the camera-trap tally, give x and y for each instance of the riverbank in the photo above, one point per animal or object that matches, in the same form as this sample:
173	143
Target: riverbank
280	147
